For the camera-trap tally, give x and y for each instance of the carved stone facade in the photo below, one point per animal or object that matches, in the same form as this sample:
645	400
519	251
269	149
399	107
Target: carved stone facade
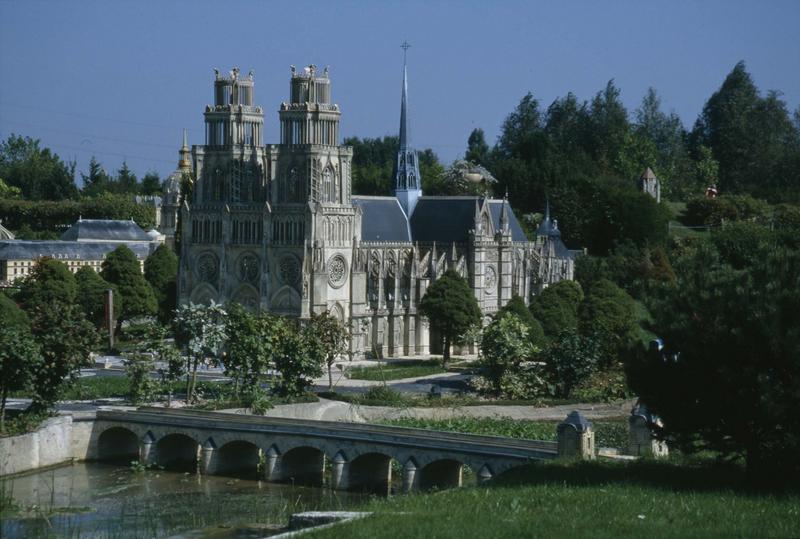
275	227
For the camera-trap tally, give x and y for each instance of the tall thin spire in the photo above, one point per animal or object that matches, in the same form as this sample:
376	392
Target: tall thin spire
407	180
404	135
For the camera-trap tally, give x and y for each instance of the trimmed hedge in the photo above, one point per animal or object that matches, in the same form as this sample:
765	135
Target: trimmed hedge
56	216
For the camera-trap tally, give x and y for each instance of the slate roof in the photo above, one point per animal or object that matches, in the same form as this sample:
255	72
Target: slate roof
62	250
443	219
383	219
449	219
104	230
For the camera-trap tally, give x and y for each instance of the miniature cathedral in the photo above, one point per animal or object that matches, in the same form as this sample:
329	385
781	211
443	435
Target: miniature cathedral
276	227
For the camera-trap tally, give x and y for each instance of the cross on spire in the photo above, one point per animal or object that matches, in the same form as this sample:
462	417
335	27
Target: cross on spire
405	46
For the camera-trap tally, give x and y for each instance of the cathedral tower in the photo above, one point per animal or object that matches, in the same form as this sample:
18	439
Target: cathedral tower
407	179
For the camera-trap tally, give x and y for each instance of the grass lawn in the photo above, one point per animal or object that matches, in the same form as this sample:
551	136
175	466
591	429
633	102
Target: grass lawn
395	371
599	499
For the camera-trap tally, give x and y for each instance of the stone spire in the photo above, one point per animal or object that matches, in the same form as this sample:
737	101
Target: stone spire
407	179
404	135
185	162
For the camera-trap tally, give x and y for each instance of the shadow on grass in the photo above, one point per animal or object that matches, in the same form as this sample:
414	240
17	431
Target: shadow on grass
708	476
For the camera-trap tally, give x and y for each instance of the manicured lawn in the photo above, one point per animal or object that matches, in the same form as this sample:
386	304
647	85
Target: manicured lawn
601	499
608	433
396	371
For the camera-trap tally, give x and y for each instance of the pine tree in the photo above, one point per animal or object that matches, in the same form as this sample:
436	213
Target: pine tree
451	309
161	271
122	269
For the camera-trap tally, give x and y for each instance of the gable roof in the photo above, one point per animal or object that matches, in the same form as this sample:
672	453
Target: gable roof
104	230
383	219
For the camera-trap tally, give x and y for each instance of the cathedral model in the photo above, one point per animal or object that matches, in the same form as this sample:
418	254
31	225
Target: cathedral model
276	227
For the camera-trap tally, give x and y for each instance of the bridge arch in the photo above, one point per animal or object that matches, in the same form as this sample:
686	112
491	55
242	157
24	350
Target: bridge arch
441	474
177	452
118	444
303	465
238	458
371	472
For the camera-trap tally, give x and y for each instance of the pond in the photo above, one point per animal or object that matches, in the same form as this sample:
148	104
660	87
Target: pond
100	500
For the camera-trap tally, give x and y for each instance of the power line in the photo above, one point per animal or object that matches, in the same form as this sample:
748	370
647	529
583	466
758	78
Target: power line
90	116
99	137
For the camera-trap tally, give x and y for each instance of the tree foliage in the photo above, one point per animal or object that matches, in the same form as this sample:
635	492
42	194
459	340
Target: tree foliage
49	216
122	269
727	377
161	271
200	332
570	359
334	337
516	306
505	344
374	161
20	359
451	309
49	281
11	314
92	295
752	138
607	313
299	360
254	342
36	172
556	307
66	339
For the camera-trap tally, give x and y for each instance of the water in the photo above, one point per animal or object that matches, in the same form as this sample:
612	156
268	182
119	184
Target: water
112	501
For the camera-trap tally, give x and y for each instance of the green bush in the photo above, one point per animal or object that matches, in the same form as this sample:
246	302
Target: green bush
603	386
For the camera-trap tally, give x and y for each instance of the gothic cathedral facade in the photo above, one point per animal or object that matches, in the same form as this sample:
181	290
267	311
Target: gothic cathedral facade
276	227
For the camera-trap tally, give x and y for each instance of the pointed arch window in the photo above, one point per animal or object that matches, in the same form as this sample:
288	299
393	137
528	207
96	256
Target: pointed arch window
328	185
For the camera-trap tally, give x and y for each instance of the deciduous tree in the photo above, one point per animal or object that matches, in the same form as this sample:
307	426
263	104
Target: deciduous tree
20	359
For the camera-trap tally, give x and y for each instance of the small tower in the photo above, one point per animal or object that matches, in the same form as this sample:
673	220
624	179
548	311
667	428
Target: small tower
407	179
648	183
171	193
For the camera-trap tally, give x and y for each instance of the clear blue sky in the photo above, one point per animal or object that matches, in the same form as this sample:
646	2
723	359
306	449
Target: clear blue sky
121	79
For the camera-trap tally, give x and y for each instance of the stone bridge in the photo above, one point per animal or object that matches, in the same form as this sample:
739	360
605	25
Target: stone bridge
360	455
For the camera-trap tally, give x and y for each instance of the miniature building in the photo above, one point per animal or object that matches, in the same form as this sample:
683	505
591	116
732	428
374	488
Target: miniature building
276	227
648	183
85	243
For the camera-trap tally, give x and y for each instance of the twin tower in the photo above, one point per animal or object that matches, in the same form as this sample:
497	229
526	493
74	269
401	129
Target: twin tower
273	226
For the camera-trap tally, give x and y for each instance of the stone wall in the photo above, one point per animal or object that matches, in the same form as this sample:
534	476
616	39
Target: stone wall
49	445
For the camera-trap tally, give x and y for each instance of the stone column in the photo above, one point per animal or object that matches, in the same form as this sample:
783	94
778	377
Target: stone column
576	437
148	453
272	464
484	474
410	477
208	458
340	472
641	442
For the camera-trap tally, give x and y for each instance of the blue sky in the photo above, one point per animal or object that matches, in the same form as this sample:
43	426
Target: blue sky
121	79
